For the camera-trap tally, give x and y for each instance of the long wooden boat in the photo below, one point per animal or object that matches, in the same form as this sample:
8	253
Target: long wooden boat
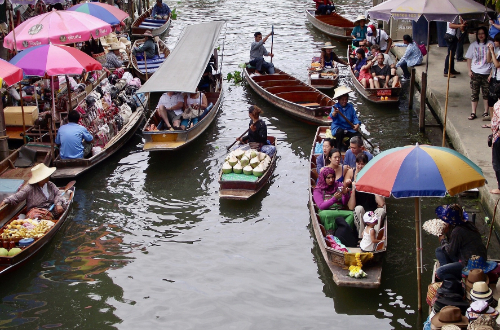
146	22
335	258
189	79
326	79
334	24
291	95
241	186
151	65
10	263
375	95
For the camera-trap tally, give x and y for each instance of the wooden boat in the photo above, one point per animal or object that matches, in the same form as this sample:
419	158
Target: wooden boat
151	64
8	264
322	78
291	95
190	75
335	258
146	22
238	187
375	95
334	24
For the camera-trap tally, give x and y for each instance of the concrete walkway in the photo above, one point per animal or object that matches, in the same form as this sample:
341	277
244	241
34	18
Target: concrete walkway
467	136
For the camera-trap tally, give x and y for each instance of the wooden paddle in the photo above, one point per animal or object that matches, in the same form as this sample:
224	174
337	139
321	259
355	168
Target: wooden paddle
349	122
238	138
66	188
272	41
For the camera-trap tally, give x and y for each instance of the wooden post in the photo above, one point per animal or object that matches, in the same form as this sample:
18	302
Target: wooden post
22	113
4	147
423	92
418	248
412	88
139	8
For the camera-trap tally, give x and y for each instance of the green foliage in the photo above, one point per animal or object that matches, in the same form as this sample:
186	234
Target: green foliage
493	3
235	77
174	13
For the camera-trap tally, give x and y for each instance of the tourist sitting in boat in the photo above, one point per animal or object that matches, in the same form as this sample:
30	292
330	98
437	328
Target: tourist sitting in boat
360	61
342	112
342	172
257	53
375	50
40	195
320	160
412	56
324	7
160	10
147	47
194	106
362	69
382	74
70	137
361	202
113	57
257	130
331	197
359	32
462	243
207	79
170	110
378	37
328	56
356	147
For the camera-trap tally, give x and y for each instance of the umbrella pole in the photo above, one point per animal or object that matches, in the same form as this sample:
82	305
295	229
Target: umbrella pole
446	102
419	264
13	27
22	112
52	124
69	93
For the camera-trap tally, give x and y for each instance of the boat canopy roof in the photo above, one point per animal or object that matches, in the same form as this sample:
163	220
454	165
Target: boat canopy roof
183	68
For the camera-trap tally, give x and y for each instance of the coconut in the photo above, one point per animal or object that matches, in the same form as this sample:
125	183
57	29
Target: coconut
253	153
265	163
434	226
254	162
259	170
14	251
238	168
238	153
232	160
244	161
261	156
248	170
227	168
268	158
3	252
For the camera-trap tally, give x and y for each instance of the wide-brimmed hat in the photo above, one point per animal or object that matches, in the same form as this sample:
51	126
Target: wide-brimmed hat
328	45
480	307
40	172
360	18
475	275
449	315
342	90
370	217
480	291
450	215
125	41
451	286
148	34
477	262
111	39
116	46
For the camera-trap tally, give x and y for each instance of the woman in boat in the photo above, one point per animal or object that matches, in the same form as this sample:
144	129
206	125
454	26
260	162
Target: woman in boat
365	77
320	160
40	195
460	245
361	202
195	103
359	32
331	196
257	132
328	56
342	172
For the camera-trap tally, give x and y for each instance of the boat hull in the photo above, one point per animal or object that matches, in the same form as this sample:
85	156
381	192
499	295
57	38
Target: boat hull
334	25
141	71
139	26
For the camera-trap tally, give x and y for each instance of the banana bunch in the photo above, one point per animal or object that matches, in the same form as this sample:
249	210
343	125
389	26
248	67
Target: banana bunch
26	228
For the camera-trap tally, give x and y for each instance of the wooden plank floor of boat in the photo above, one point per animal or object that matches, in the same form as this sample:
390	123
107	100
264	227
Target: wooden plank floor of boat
371	281
236	194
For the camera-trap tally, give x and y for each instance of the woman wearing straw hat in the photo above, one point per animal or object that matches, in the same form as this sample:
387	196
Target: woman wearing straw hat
147	47
340	127
40	194
328	56
359	31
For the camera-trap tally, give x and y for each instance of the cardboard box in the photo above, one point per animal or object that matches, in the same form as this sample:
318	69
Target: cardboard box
13	116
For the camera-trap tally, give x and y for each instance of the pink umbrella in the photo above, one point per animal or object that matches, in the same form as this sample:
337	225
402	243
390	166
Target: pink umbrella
57	27
10	73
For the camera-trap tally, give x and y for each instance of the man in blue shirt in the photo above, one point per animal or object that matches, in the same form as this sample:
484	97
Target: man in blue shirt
340	127
70	137
355	148
160	10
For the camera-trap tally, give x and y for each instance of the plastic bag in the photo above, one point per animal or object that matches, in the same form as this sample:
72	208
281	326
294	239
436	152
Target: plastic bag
318	148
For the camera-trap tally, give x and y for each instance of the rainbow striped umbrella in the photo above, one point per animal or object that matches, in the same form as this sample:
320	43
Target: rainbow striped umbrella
105	12
419	171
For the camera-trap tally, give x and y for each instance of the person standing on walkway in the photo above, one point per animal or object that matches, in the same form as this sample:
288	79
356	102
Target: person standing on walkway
452	41
495	150
257	53
479	70
494	80
412	56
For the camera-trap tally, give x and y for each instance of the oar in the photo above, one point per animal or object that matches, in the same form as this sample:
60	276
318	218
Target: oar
66	188
349	122
272	41
238	138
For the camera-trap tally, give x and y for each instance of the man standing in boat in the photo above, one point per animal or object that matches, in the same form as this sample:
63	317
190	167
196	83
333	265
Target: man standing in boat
345	122
160	10
257	53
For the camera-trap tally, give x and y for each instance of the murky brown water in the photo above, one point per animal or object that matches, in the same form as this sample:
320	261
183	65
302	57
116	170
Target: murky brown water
149	244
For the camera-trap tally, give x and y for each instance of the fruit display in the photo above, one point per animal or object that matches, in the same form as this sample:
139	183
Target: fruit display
249	162
26	228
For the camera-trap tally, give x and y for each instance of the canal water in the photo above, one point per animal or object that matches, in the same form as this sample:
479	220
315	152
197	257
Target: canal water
148	243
